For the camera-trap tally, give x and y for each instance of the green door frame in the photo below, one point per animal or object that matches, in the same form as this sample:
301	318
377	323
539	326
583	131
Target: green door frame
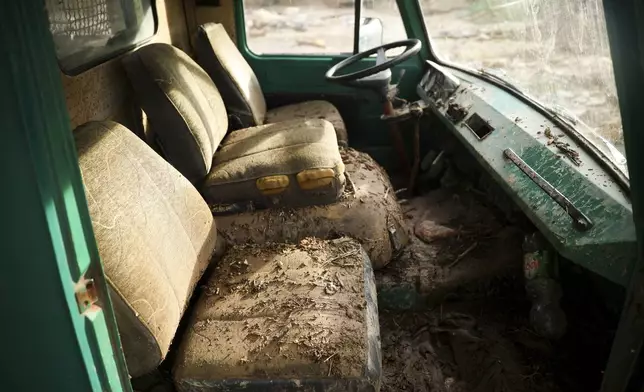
47	244
624	20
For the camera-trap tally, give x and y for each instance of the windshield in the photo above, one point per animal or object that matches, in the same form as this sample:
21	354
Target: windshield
555	51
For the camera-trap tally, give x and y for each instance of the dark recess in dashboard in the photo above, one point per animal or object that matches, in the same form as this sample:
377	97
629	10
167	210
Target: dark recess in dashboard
479	126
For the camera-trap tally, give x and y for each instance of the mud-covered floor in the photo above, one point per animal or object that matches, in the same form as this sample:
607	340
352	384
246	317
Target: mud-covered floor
466	327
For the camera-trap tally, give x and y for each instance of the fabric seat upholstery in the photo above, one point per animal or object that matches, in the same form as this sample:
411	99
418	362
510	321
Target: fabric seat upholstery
303	167
189	120
155	236
283	318
241	90
311	109
185	109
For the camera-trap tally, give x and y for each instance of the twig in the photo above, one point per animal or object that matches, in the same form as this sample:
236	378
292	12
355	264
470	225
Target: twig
563	147
342	256
420	331
203	336
530	376
337	276
460	257
332	355
394	320
330	364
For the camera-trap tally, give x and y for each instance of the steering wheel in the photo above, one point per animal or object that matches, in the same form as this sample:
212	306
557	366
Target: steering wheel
412	47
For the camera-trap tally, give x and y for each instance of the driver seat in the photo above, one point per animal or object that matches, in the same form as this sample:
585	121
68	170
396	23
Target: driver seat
240	89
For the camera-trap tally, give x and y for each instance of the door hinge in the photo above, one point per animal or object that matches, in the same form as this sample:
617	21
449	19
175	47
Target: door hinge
86	294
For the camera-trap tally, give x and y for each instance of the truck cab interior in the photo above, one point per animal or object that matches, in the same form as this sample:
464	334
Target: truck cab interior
268	195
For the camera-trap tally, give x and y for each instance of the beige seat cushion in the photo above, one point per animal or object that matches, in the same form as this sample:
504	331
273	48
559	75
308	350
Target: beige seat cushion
293	163
367	211
312	109
232	74
185	109
241	91
279	316
155	236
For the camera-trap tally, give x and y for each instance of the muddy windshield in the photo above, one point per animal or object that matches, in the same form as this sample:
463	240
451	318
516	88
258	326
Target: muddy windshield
555	51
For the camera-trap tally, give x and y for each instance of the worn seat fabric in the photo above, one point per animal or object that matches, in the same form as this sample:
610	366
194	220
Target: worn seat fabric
278	164
185	110
285	317
311	109
291	164
241	90
155	236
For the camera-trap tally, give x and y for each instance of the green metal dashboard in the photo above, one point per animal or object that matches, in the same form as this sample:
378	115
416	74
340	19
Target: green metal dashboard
564	188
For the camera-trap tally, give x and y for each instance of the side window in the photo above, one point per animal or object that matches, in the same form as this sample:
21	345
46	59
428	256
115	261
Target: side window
319	27
385	13
88	32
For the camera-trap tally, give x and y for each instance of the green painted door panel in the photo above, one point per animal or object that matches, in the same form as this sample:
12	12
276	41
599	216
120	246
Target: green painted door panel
47	245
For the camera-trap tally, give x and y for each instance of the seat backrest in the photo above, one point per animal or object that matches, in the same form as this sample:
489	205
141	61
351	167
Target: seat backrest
185	109
155	236
234	77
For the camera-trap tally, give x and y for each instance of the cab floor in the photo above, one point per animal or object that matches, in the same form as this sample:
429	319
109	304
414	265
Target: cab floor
453	312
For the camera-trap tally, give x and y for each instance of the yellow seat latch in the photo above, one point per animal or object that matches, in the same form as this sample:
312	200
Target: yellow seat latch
315	178
272	185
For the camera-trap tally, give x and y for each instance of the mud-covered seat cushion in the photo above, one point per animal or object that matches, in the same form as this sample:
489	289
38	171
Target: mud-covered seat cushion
241	91
367	211
293	163
285	317
311	109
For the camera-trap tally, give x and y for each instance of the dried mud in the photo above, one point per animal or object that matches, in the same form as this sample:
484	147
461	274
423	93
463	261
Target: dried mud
474	334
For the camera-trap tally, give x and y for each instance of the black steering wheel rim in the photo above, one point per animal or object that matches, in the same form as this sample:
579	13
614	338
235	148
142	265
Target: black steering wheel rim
412	47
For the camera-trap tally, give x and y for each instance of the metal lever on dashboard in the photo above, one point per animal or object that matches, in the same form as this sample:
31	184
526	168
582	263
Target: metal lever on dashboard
580	220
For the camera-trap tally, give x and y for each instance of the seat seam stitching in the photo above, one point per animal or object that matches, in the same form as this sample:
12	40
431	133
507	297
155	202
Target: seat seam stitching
217	163
178	112
167	204
238	86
